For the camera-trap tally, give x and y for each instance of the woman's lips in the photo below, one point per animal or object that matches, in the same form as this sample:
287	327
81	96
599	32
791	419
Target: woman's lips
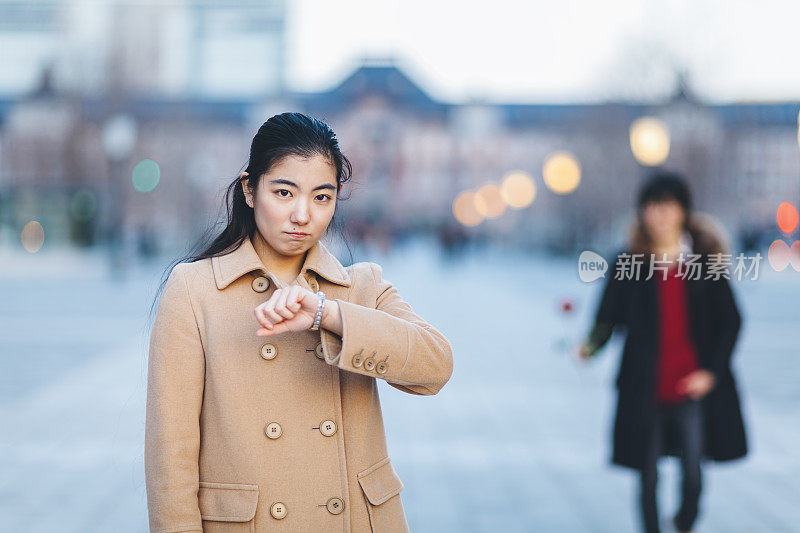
297	235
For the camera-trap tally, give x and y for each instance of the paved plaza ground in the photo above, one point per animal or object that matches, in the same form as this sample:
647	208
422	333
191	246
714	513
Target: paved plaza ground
517	441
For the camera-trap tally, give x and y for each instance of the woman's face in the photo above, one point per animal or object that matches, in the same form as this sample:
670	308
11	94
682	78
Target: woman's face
663	220
294	203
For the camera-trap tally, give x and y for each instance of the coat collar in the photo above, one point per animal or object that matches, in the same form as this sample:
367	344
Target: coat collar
234	264
705	233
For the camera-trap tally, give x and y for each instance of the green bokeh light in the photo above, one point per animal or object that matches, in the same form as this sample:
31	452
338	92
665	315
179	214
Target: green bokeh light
145	175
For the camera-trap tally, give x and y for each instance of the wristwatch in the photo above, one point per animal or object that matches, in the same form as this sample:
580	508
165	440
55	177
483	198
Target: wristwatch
320	308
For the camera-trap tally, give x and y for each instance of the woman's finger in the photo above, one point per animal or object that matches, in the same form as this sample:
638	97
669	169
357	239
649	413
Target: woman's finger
693	386
279	328
262	320
683	386
272	316
294	302
269	307
264	316
280	305
261	317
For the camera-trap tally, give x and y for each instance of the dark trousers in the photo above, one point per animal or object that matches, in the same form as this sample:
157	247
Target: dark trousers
687	418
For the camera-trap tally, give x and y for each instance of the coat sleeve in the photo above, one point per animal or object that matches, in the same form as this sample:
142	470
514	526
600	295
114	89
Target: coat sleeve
390	342
728	323
610	311
175	378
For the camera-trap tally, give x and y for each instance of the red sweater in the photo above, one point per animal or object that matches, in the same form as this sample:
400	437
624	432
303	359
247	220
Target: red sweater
676	356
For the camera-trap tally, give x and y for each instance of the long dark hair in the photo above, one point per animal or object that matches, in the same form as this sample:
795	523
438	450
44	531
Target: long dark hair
282	135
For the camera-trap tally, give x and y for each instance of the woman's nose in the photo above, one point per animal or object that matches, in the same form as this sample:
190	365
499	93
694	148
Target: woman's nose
300	213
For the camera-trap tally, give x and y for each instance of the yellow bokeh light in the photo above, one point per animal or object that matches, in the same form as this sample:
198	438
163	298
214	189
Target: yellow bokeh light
464	208
561	172
518	189
32	236
492	204
649	141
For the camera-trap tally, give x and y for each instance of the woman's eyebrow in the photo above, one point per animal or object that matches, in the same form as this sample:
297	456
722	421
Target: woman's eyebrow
284	181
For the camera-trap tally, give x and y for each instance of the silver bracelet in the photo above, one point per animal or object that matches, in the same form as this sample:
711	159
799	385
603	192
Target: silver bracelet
318	315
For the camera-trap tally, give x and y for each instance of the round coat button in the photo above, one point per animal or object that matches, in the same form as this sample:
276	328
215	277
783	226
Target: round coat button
335	505
369	363
358	360
273	430
313	284
318	351
381	367
269	351
327	427
278	510
260	284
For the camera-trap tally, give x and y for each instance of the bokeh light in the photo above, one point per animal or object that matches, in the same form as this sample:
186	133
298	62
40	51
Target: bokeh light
787	217
778	255
492	204
650	141
145	175
562	172
32	236
465	210
518	189
794	255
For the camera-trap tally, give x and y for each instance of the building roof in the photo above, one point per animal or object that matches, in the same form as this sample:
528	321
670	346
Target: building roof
384	78
381	77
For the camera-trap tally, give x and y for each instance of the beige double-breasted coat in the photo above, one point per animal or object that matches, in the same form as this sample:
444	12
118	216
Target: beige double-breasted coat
247	433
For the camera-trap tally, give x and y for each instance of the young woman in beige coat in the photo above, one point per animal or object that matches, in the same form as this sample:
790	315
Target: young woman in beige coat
262	403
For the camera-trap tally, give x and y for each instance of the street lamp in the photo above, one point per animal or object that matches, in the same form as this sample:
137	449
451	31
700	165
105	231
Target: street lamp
119	139
650	141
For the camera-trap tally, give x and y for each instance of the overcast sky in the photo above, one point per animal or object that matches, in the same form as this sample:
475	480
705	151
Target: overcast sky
564	50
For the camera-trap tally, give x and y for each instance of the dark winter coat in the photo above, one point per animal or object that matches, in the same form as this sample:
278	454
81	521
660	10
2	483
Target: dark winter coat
631	306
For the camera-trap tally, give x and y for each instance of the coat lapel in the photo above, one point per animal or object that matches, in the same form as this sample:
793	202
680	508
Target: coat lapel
236	263
320	260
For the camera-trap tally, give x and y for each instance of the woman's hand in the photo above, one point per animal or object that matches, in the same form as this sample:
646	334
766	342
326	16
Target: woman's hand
288	309
583	352
697	384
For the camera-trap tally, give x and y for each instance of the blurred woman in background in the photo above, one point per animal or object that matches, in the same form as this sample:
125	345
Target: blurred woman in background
676	393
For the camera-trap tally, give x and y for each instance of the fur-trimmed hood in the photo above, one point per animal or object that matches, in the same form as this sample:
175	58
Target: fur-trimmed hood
707	235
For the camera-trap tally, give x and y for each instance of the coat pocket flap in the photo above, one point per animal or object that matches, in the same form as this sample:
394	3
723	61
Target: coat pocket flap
380	482
227	502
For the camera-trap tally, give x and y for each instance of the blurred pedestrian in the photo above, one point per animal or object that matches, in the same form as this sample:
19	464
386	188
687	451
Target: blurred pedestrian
677	395
285	432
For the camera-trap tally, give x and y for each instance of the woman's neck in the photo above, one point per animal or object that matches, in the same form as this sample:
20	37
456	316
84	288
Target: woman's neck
286	268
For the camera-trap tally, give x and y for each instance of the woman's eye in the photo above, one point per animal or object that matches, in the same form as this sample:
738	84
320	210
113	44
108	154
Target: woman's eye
323	197
279	191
